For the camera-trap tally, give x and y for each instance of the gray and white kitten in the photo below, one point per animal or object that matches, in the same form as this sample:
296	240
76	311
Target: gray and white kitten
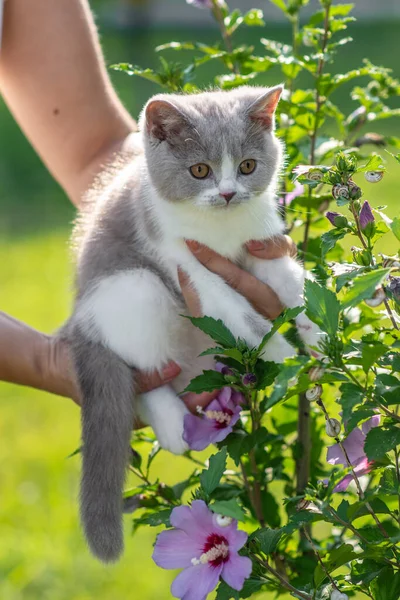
206	169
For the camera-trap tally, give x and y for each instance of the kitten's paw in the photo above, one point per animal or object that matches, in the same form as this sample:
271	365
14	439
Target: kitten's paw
172	440
278	349
165	412
310	333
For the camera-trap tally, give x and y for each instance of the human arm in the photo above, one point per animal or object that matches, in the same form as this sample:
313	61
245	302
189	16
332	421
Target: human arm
54	80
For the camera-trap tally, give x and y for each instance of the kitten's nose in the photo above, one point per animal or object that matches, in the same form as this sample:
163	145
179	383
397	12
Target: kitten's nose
228	196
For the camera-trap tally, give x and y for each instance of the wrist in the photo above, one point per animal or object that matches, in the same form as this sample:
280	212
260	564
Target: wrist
56	369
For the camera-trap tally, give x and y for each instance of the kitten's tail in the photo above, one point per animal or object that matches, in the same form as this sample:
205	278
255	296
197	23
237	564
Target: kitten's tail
107	388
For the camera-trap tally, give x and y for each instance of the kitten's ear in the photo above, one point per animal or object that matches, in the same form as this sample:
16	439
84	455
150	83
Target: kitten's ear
263	109
164	121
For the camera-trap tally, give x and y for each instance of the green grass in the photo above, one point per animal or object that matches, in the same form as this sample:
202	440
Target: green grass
42	553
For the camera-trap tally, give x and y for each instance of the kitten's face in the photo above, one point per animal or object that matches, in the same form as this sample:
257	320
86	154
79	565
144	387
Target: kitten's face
214	149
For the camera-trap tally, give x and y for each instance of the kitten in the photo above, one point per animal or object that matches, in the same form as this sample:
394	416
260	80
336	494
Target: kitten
206	169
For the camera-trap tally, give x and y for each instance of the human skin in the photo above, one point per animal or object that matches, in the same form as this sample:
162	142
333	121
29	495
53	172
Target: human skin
54	81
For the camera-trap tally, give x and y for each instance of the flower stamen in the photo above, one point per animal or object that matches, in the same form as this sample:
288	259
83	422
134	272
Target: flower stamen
219	416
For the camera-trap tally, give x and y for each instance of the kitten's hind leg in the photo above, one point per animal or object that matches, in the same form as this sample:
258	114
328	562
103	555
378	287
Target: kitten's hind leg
136	316
164	411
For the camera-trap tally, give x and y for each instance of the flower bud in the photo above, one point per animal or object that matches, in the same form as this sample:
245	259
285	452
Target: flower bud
337	219
361	257
227	371
367	219
316	373
355	190
249	380
340	191
314	393
336	595
377	298
332	427
373	176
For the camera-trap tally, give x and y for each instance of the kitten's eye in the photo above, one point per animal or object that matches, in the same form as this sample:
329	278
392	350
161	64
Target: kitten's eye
200	171
247	166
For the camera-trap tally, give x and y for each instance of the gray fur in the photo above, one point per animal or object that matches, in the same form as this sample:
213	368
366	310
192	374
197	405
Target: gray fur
107	387
117	221
203	127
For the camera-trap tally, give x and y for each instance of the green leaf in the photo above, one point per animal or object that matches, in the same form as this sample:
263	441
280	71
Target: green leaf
290	370
329	239
389	484
228	508
387	585
351	395
239	443
231	352
207	382
381	440
251	586
154	519
215	329
395	227
267	538
322	306
374	163
345	278
225	592
335	559
388	387
210	478
266	373
364	287
370	352
288	315
75	452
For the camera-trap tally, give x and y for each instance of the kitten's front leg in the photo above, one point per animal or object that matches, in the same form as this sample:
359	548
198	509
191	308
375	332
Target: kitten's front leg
286	277
220	301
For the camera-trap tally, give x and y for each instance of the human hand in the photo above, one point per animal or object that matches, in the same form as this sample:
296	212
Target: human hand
259	294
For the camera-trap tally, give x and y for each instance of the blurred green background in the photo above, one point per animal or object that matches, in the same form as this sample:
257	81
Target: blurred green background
42	553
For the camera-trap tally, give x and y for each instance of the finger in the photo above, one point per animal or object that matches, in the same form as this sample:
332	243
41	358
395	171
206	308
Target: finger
276	247
189	294
259	294
193	400
150	381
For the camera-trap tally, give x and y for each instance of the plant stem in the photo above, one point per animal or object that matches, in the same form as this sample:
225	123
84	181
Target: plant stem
219	17
389	312
317	554
304	441
285	583
318	103
354	475
254	494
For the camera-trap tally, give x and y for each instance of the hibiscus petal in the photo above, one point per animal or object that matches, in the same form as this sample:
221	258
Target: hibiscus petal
238	398
236	537
224	397
236	570
370	424
174	549
354	446
343	484
182	518
199	433
195	583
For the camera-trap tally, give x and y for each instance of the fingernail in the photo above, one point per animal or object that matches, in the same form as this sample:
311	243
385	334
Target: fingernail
193	245
256	245
170	371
